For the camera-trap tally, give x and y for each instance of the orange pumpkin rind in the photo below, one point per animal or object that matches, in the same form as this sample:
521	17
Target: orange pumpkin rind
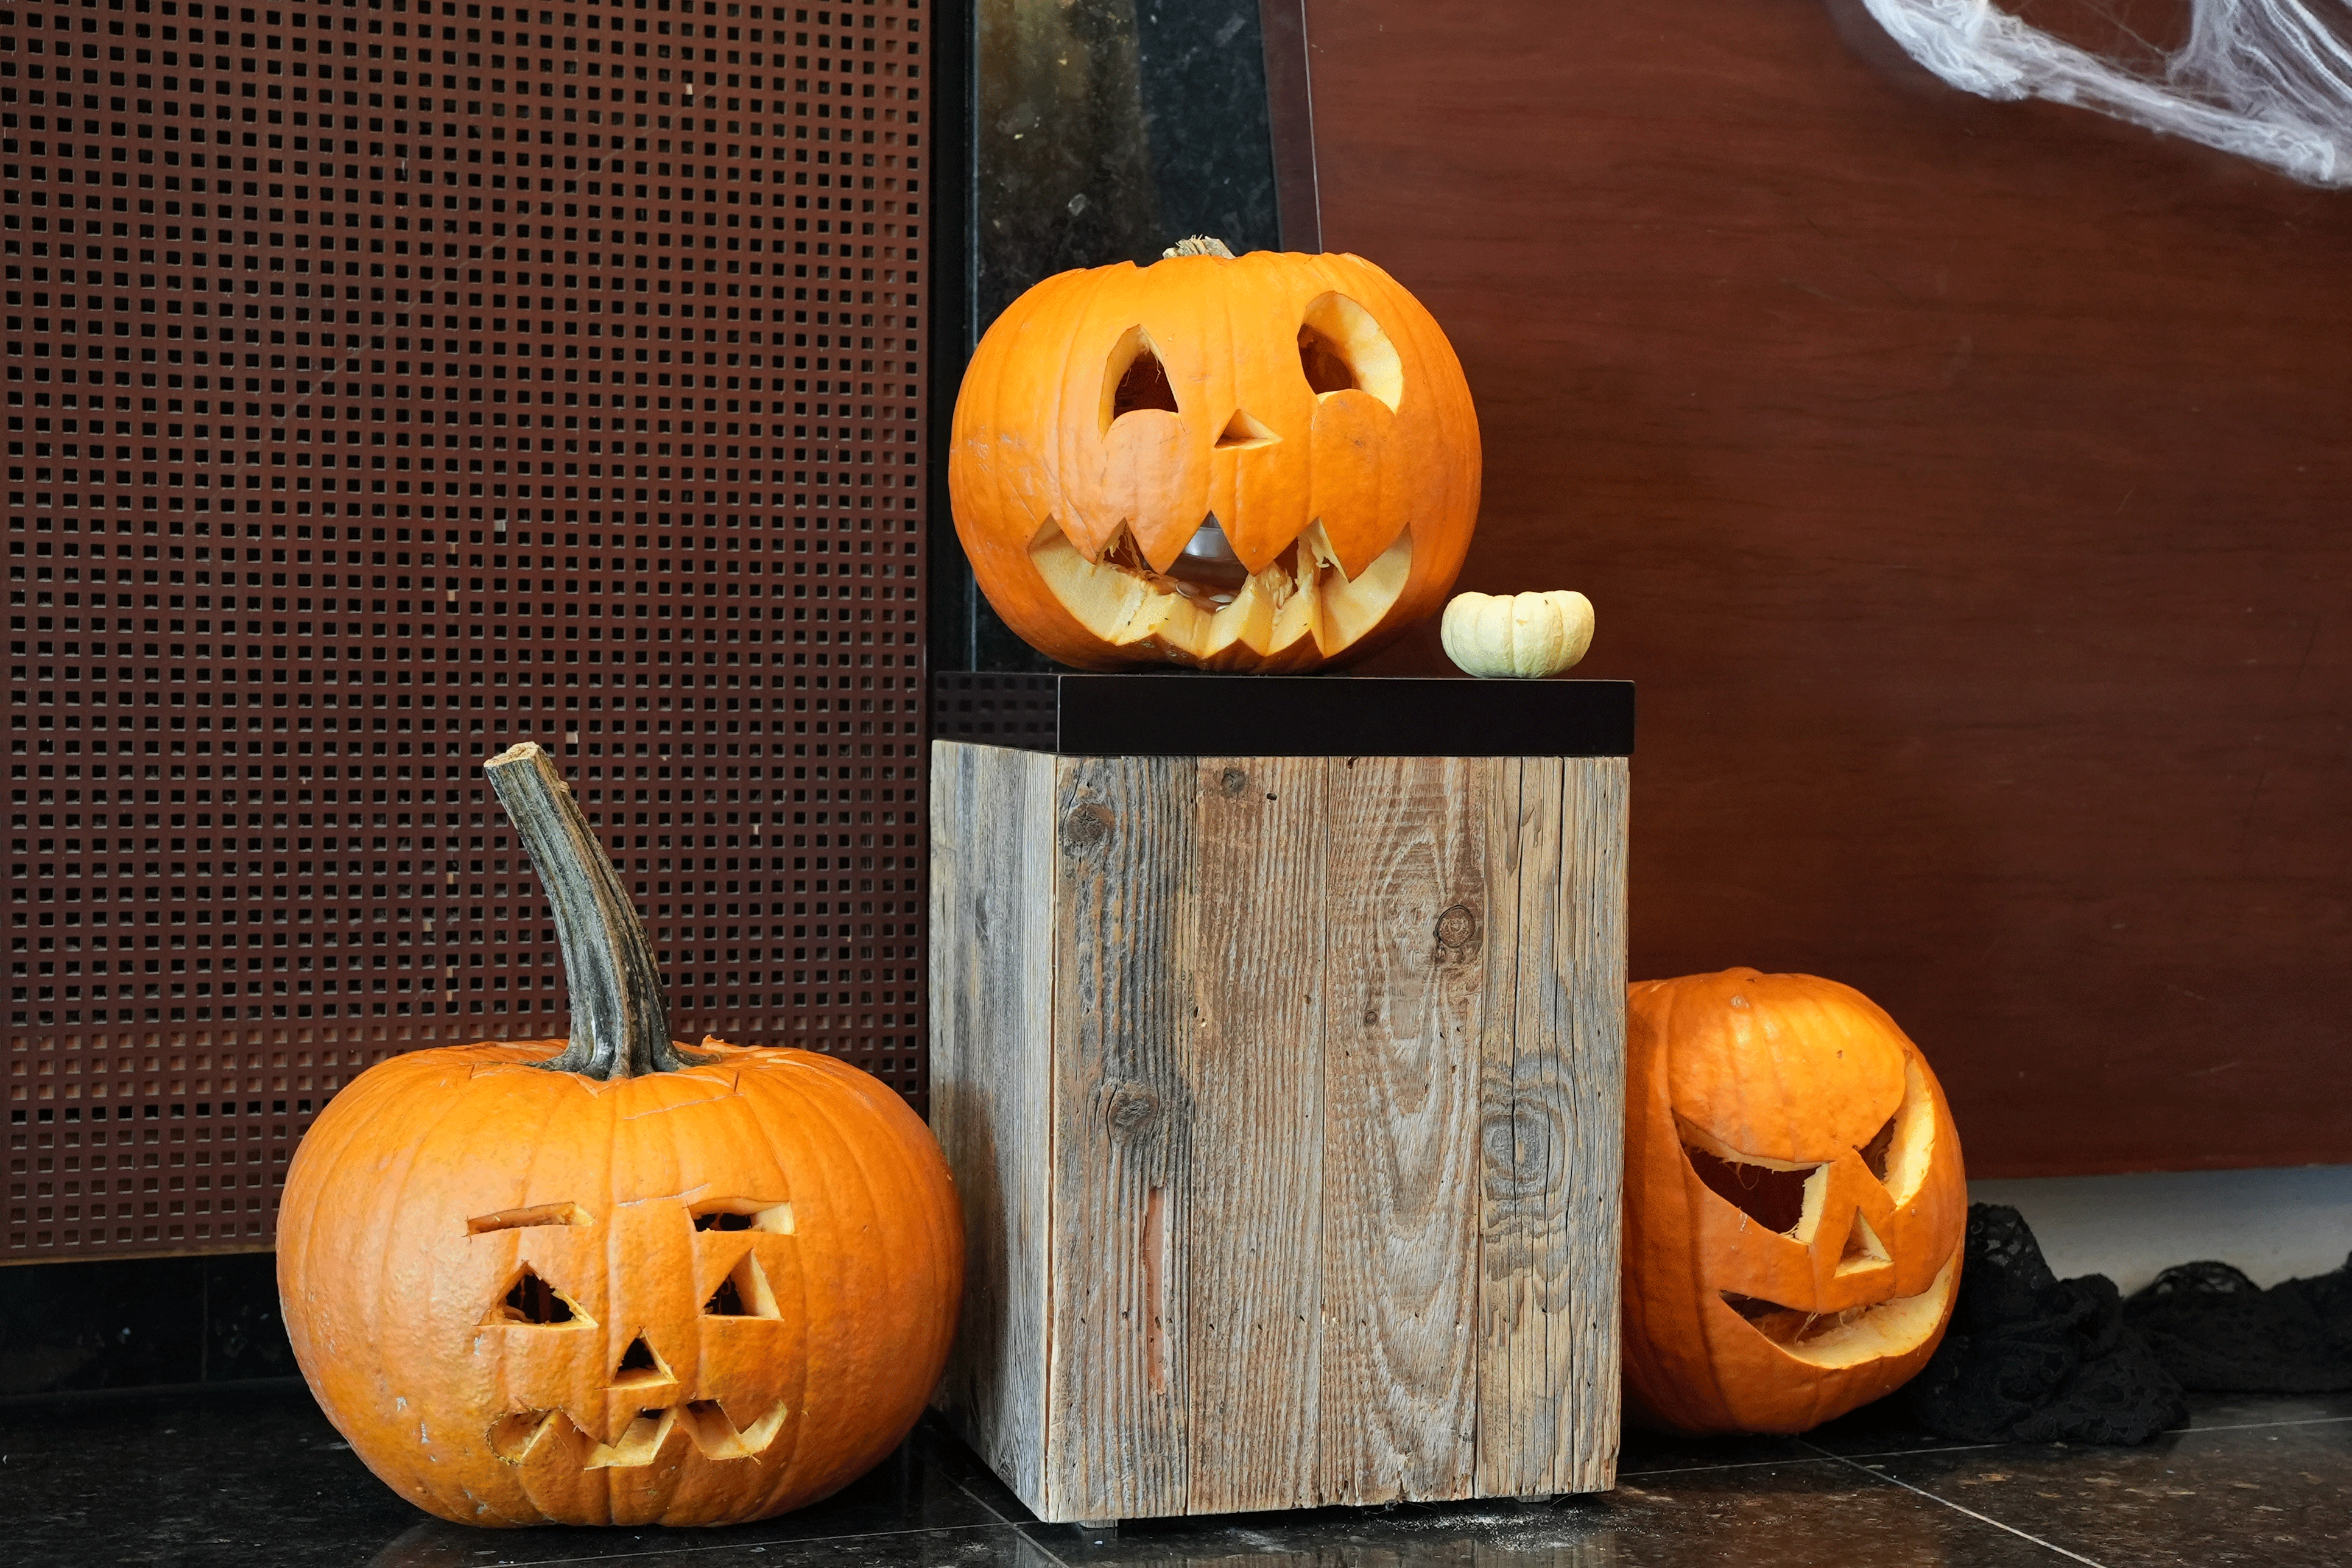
560	1283
1795	1203
1261	462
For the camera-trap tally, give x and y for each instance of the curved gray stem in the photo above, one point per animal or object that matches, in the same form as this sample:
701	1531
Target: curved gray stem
620	1020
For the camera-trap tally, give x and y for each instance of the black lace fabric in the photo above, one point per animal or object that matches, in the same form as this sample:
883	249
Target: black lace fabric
2031	1358
2212	1328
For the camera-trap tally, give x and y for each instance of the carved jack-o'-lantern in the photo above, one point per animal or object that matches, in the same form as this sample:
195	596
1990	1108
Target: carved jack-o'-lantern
622	1284
1261	462
1794	1203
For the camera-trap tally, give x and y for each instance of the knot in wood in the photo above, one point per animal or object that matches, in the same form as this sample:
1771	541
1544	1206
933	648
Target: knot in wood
1133	1111
1232	780
1457	927
1526	1142
1086	828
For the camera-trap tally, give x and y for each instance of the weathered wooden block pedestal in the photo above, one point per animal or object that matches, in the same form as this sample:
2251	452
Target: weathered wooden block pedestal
1284	1093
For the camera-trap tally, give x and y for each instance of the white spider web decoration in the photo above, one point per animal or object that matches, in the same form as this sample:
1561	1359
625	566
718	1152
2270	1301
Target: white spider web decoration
2265	79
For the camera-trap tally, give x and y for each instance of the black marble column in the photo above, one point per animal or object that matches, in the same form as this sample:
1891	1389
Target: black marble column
1095	131
80	1326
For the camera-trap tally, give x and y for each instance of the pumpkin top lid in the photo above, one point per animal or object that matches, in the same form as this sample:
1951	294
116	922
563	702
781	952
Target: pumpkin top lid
1197	245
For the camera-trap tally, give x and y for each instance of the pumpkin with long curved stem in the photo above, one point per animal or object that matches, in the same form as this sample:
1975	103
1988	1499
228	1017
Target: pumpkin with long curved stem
1258	463
613	1280
1794	1203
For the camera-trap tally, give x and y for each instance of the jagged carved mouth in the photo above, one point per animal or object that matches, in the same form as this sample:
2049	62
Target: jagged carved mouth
1855	1334
1208	605
515	1438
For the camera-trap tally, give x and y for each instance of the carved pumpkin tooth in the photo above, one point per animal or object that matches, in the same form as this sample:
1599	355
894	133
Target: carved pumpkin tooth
1291	616
513	1438
719	1437
639	1444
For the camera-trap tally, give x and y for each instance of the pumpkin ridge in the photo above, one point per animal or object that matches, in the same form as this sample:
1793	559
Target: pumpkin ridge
526	1187
685	1348
1073	490
788	1468
807	1171
542	1113
779	1462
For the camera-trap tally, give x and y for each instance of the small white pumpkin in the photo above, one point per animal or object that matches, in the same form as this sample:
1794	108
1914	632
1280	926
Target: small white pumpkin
1525	636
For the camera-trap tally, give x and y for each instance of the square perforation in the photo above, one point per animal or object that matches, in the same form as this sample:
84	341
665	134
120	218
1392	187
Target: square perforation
345	453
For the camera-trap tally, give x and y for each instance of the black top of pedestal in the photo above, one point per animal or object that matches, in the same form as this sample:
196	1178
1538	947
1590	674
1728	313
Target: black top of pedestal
1282	715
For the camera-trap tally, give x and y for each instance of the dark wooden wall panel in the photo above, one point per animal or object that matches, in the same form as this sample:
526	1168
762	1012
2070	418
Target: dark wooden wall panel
1963	482
295	869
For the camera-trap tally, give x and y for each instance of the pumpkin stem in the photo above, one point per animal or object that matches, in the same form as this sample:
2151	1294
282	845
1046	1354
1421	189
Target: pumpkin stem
1199	244
620	1020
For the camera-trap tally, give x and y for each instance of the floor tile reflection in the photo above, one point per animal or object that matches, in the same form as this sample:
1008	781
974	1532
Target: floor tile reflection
1818	1513
257	1477
2271	1493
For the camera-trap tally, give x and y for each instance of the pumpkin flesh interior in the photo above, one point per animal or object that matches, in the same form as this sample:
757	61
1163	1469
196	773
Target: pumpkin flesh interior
1857	1334
1302	600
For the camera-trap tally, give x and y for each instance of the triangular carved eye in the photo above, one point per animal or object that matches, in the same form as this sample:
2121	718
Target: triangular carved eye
1874	1153
1323	363
1900	1154
1774	1198
1136	378
744	1293
533	1301
745	1214
1342	349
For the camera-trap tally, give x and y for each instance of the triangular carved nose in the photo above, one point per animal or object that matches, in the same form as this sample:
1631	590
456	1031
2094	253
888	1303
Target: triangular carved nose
1244	431
640	1367
1864	1249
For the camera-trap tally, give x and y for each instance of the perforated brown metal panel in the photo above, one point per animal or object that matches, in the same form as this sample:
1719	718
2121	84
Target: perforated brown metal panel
387	385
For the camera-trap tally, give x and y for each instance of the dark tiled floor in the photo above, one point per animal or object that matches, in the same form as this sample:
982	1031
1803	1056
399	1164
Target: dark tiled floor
255	1478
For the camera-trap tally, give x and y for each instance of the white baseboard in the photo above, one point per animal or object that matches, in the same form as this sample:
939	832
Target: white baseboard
2273	1224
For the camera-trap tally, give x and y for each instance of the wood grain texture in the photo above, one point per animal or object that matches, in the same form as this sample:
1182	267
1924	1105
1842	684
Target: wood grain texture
1588	981
1284	1096
1553	1092
1254	1252
1522	1177
1407	921
1118	1376
1963	483
993	959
